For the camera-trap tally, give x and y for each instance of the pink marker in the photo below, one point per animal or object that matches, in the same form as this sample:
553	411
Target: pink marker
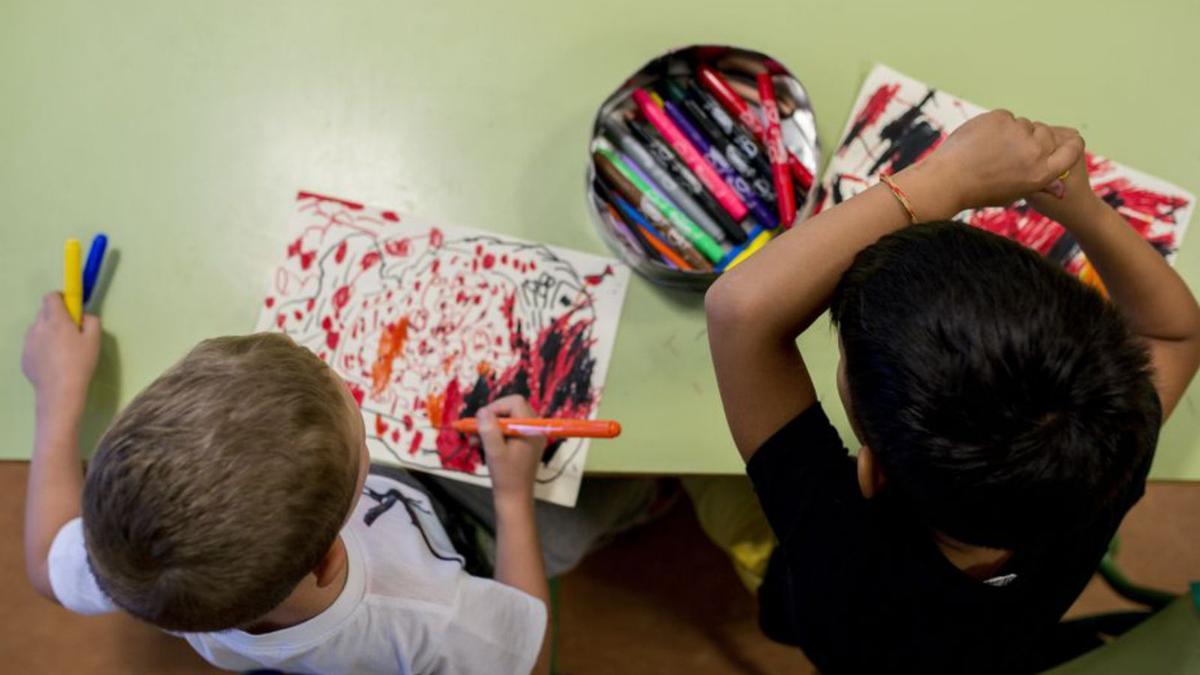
690	156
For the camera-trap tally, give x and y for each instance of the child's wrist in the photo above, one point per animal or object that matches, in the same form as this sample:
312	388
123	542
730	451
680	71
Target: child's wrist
513	502
932	193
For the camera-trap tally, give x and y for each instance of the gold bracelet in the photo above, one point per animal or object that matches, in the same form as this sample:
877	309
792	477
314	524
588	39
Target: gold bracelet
900	197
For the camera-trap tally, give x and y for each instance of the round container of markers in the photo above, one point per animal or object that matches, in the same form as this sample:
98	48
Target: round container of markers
700	159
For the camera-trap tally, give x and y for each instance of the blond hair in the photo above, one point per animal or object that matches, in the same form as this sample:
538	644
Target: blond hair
222	485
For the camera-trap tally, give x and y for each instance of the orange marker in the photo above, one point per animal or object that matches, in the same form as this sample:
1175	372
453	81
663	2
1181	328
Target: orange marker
550	428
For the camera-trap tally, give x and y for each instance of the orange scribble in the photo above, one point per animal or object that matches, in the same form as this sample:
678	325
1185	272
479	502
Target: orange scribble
484	369
433	407
391	345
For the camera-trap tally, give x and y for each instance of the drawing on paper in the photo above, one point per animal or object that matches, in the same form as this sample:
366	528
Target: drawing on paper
426	324
897	121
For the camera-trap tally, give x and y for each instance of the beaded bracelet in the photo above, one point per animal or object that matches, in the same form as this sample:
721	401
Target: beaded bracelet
900	196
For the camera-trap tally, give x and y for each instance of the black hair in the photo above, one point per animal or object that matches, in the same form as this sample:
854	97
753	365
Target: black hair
1006	402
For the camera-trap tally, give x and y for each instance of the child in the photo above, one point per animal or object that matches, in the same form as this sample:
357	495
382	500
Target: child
1007	413
225	504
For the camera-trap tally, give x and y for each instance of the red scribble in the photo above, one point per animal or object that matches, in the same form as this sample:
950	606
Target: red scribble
396	247
308	306
408	422
553	372
353	206
340	297
280	320
395	435
596	279
415	444
391	345
306	259
488	261
269	302
1021	224
381	427
390	216
340	254
357	392
293	249
870	112
368	259
331	339
435	237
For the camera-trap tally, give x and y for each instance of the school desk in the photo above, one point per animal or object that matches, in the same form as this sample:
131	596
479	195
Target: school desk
183	130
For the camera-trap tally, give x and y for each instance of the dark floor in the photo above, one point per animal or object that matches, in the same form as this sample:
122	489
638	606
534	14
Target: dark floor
658	600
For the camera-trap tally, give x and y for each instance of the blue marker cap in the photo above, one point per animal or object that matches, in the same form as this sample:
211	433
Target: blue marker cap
91	271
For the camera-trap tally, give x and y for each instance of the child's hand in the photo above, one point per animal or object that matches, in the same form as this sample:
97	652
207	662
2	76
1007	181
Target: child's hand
512	462
995	159
1078	201
59	357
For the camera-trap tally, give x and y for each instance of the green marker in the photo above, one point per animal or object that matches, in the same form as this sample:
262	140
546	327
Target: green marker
698	237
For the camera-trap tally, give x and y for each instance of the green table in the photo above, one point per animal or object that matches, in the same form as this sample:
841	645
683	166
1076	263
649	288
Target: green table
184	129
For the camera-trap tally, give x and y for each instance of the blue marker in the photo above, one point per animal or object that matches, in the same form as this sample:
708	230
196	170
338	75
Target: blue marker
91	271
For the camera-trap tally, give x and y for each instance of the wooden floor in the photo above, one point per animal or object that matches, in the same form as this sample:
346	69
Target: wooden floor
658	600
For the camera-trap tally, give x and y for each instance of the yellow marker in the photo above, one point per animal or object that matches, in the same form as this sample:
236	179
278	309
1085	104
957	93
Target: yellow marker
73	281
757	243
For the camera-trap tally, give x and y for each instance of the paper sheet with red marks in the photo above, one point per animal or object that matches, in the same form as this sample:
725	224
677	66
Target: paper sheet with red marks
427	323
897	120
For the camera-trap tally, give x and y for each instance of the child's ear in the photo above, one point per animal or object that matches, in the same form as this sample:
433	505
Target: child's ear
870	476
330	567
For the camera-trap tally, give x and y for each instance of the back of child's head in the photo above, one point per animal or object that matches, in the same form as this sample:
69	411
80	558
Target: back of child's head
1006	403
222	485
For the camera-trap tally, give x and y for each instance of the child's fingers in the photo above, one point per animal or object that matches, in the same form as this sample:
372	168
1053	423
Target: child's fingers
489	431
1066	155
512	405
1044	137
91	325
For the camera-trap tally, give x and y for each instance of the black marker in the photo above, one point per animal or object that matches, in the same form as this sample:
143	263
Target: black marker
762	186
685	178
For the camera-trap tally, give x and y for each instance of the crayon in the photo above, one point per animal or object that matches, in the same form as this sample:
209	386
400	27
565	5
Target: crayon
761	213
609	205
698	237
718	139
685	179
720	190
550	428
641	158
91	270
73	281
653	217
651	236
775	150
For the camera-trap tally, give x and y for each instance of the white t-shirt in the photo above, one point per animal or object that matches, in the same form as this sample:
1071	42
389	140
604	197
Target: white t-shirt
403	610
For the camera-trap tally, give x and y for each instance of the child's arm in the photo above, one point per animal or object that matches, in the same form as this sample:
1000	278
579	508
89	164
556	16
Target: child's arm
756	310
1153	298
58	359
513	464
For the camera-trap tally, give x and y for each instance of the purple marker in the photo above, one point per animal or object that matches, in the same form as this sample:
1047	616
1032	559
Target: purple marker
761	213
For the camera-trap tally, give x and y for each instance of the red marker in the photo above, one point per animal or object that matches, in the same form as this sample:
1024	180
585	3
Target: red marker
690	156
729	98
777	152
550	428
720	89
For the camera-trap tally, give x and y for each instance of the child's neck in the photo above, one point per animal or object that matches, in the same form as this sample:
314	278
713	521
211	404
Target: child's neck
978	562
306	601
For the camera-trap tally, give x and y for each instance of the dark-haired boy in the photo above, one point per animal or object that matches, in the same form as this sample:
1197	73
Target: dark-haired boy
1007	413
